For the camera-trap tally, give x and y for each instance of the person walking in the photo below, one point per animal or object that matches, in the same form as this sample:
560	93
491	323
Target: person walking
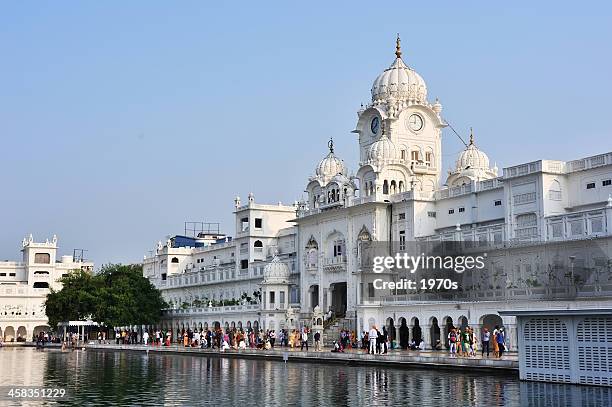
304	340
373	334
145	338
317	340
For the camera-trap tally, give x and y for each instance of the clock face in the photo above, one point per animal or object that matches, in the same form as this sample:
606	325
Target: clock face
375	125
415	122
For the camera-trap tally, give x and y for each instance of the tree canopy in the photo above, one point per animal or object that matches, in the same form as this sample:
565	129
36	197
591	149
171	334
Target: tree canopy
117	295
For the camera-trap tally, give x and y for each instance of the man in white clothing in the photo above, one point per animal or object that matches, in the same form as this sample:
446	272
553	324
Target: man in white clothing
145	337
373	335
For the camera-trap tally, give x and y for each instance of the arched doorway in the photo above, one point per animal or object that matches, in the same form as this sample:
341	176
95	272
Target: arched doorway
403	334
22	334
314	296
491	321
448	325
217	325
435	332
256	326
40	328
9	334
417	334
463	322
338	299
391	331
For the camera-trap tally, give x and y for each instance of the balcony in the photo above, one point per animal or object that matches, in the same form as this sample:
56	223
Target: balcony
334	264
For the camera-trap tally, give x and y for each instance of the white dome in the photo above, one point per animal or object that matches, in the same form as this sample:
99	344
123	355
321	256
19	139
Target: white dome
382	150
331	165
276	271
472	158
472	164
400	82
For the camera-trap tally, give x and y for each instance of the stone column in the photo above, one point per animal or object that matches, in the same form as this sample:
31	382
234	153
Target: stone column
426	334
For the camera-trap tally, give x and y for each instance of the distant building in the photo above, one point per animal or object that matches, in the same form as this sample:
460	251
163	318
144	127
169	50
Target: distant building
24	286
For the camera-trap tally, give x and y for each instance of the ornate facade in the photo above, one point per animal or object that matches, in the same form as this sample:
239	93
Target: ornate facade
541	221
24	286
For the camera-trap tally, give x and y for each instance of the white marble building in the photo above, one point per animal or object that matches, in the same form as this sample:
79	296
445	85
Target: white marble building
538	216
24	286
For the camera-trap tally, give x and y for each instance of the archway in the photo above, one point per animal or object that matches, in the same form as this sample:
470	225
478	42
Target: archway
338	299
448	325
403	333
435	332
463	322
9	334
248	325
417	334
314	296
391	330
22	334
256	326
217	325
491	321
40	328
240	325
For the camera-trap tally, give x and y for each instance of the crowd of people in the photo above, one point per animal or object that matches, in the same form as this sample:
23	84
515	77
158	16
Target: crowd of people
461	342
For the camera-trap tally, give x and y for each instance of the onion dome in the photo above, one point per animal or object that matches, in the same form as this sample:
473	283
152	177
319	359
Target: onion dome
472	164
276	271
382	149
472	157
399	82
330	165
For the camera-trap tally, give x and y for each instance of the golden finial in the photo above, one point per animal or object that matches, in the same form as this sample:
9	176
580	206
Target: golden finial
398	47
471	137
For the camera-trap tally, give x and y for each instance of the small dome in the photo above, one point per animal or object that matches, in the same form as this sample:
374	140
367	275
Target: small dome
331	165
472	164
472	158
382	150
276	271
399	82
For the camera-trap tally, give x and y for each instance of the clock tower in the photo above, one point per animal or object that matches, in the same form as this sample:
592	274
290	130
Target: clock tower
399	134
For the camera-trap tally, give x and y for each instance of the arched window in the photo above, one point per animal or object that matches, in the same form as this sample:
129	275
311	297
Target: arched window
41	273
385	187
428	158
393	187
41	284
258	245
175	260
401	186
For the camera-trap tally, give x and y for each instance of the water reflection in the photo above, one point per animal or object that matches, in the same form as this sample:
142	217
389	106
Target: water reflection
102	378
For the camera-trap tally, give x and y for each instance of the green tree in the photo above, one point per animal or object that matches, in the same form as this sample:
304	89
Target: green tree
75	301
117	295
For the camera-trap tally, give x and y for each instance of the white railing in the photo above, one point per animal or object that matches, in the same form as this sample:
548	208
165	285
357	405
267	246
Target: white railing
578	225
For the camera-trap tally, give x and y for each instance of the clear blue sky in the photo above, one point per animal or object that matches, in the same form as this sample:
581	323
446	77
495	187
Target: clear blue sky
121	120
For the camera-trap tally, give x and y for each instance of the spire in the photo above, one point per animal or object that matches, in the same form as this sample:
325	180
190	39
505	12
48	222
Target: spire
471	137
330	144
398	47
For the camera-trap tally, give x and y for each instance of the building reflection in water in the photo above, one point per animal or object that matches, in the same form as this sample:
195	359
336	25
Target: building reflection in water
164	379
